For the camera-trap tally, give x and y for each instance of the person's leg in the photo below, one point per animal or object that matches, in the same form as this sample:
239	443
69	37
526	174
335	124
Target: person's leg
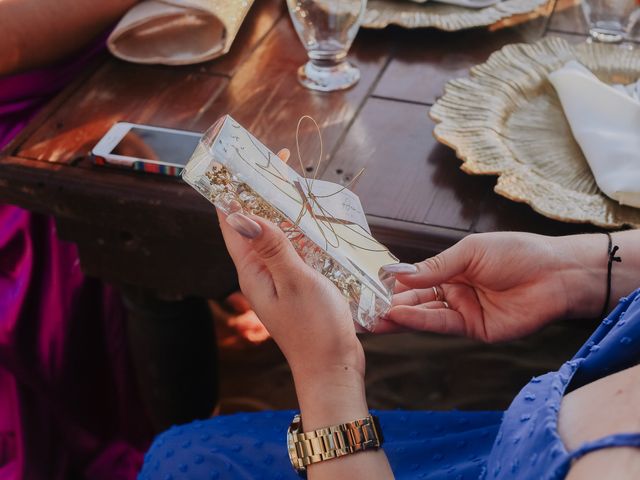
420	445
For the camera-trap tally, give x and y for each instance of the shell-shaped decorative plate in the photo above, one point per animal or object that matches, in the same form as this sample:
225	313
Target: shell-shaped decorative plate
506	120
381	13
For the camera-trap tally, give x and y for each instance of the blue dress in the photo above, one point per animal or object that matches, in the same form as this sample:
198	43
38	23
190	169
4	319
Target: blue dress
521	443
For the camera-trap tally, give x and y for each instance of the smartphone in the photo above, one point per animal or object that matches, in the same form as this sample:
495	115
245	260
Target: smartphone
142	147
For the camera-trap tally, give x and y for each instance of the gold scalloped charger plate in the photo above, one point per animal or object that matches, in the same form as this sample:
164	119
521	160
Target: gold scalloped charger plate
506	120
382	13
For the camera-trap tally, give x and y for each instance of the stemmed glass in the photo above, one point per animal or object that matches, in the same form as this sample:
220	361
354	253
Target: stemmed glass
610	21
327	29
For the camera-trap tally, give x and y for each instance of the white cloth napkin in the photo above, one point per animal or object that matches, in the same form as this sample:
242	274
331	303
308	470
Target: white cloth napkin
605	121
177	32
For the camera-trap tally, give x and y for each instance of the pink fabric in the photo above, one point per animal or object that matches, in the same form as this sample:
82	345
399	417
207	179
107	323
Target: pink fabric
68	403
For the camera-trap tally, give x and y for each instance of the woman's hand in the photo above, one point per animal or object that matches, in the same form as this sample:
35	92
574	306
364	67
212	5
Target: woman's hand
502	286
304	313
311	323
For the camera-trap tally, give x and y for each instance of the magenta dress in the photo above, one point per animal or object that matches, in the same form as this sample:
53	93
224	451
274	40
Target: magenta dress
69	407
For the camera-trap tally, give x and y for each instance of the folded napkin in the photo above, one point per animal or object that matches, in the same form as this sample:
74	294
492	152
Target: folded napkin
177	32
463	3
605	121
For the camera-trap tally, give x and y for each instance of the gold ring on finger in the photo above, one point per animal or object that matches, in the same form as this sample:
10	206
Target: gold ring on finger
438	293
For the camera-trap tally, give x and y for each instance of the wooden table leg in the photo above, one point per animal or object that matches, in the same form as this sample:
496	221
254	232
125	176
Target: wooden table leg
174	352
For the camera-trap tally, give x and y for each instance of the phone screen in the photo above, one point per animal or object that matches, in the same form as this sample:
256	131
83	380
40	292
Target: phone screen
160	146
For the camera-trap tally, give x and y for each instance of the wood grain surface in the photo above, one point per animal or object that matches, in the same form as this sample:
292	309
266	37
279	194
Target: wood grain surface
156	232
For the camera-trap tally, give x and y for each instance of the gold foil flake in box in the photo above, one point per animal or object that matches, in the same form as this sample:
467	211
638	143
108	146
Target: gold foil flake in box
324	221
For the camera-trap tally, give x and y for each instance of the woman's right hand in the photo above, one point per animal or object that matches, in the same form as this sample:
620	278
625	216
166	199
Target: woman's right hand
502	286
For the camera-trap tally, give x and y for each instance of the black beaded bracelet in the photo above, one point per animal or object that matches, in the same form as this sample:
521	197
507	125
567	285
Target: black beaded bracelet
611	253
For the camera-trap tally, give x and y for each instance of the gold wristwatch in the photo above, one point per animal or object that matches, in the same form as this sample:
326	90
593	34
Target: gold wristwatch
331	442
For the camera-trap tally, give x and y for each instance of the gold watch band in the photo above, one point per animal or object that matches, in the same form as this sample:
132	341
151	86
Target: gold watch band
306	448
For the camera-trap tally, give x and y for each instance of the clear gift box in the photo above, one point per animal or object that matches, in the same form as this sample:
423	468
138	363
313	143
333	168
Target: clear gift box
324	221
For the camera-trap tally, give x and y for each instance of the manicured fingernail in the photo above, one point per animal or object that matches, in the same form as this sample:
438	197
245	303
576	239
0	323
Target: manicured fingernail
244	225
284	155
400	268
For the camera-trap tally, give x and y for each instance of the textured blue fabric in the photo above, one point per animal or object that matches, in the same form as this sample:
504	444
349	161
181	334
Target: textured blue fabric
522	443
528	444
422	445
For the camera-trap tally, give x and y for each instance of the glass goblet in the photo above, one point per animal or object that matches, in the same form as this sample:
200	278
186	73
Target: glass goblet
610	21
327	29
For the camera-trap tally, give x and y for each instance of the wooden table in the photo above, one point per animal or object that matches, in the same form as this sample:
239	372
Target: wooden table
156	232
159	240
